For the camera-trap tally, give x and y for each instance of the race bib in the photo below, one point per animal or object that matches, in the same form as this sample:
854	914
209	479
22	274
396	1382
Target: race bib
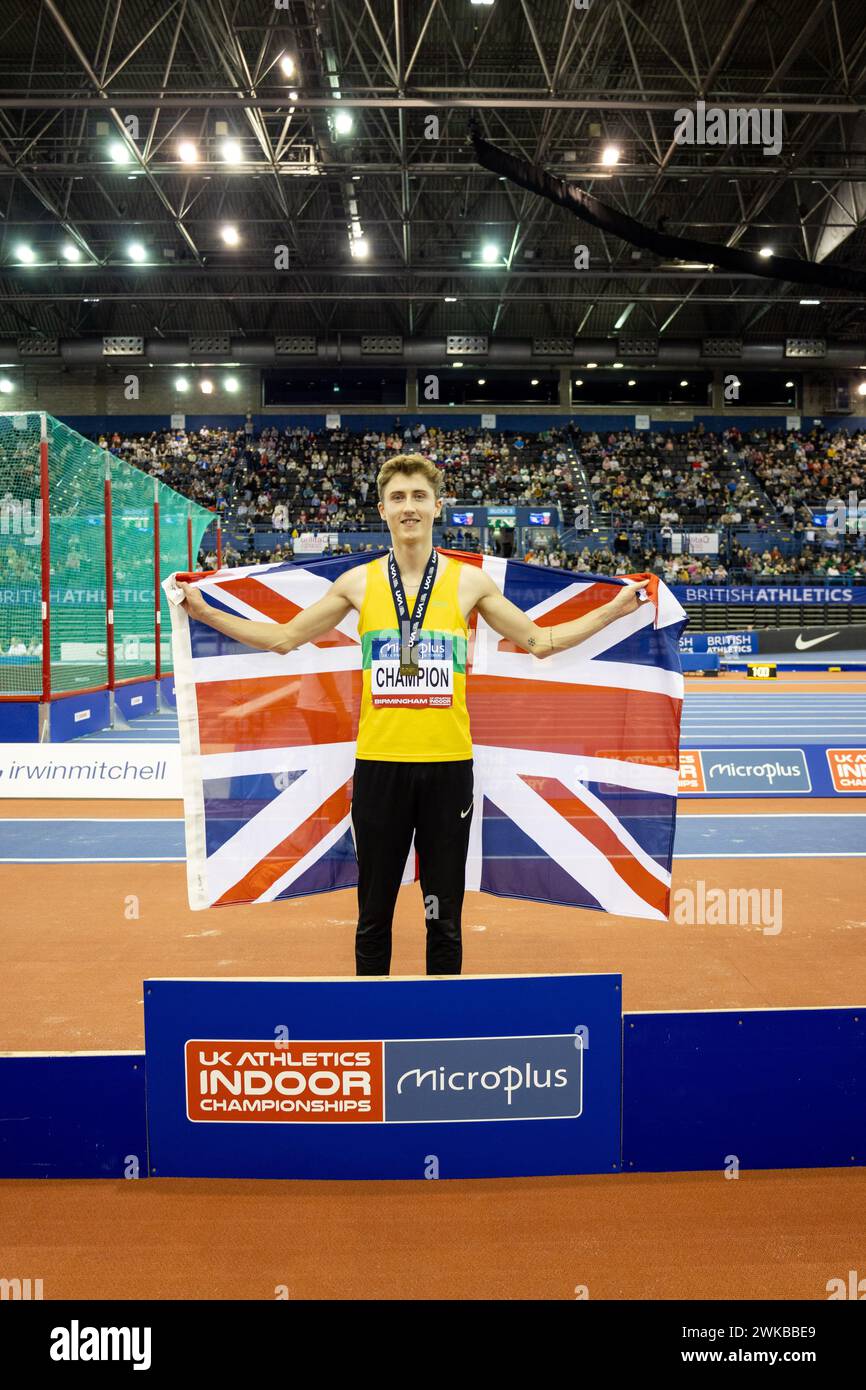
434	683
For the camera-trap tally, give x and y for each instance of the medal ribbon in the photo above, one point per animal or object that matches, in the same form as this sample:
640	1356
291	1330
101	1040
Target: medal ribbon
409	630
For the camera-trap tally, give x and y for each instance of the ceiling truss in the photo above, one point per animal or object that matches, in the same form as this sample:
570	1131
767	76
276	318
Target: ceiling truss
551	83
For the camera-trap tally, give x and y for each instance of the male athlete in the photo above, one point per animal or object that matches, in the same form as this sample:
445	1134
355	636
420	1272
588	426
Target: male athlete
413	769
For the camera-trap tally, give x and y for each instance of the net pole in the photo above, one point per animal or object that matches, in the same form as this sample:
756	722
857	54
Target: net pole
156	624
219	530
109	574
46	556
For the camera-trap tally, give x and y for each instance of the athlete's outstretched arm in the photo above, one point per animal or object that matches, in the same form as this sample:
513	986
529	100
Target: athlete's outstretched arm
306	626
511	622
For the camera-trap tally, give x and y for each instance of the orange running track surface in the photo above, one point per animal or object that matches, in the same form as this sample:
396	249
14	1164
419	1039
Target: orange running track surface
73	963
771	1235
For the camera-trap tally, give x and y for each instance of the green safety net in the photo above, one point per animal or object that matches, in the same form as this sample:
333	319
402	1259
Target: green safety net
132	571
78	610
76	501
20	556
173	552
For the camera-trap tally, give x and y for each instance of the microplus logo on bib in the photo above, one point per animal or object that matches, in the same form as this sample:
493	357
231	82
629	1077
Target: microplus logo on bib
429	649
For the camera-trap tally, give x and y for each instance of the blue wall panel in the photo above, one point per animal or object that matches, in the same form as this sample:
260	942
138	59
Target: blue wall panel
777	1088
74	715
697	661
19	721
135	700
72	1116
451	419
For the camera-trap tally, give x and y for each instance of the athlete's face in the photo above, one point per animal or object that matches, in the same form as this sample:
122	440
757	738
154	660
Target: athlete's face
410	506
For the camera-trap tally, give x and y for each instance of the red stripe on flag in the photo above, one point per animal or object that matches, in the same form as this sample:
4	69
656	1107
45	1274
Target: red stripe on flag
278	711
466	557
277	606
593	828
641	725
290	850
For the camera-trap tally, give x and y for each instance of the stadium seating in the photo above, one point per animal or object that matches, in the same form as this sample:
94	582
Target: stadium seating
640	489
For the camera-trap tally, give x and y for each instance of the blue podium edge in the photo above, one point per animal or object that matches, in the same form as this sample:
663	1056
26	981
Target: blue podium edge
702	1091
73	1115
719	1090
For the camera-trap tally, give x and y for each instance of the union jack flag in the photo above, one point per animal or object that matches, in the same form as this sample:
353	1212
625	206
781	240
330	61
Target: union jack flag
576	756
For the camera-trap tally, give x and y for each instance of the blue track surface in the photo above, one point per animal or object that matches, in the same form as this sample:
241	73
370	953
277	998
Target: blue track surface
151	728
741	719
698	837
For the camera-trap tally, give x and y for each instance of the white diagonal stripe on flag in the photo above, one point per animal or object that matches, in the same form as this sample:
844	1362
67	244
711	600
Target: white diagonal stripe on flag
560	597
569	849
304	588
332	837
625	838
255	840
312	856
238	606
572	773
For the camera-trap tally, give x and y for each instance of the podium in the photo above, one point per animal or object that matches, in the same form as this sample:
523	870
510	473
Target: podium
457	1077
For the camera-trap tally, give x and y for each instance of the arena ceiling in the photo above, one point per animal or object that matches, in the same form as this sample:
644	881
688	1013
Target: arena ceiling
552	81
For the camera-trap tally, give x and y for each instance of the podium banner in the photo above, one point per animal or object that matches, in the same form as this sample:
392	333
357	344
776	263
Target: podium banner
492	1076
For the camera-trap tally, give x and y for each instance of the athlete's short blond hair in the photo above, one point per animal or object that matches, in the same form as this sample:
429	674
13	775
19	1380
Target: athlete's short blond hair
410	463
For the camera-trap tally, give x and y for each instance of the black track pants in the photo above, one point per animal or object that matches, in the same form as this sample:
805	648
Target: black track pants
389	801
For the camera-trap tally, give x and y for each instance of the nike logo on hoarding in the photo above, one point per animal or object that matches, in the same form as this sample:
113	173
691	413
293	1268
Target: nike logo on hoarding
813	641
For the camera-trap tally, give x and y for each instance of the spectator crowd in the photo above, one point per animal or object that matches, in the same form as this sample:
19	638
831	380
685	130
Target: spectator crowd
647	486
298	478
692	478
